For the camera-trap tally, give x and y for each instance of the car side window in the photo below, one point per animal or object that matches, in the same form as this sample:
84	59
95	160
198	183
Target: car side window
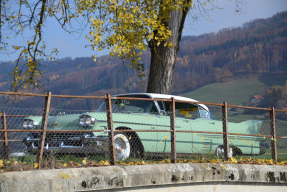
131	106
184	110
134	106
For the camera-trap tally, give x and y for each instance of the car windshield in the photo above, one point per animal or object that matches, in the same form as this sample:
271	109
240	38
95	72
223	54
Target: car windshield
130	106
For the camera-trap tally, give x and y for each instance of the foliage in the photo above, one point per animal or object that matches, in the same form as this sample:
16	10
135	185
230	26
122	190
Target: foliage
124	27
276	96
222	75
21	16
255	61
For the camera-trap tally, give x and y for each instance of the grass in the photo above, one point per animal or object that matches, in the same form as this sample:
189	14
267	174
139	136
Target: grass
234	92
281	155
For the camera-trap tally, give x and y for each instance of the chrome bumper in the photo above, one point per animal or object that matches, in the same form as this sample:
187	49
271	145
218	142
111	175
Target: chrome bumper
88	144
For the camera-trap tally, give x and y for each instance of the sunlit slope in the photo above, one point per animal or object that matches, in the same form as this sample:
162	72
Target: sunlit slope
234	92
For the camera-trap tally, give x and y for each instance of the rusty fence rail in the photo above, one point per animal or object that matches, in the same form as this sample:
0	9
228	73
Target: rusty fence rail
111	132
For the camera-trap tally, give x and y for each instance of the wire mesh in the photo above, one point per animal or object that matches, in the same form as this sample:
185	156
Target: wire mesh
281	132
69	138
251	135
142	134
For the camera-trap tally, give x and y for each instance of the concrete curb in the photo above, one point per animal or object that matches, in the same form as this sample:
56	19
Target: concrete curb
112	177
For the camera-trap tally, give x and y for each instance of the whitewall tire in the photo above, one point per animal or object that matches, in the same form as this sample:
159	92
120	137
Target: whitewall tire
122	146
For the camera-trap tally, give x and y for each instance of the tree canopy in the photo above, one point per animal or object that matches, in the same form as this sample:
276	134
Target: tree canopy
125	27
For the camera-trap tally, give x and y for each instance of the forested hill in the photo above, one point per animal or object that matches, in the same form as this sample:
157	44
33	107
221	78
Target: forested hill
258	48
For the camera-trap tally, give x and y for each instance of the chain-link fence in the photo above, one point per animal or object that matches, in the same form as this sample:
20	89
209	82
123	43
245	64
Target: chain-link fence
135	129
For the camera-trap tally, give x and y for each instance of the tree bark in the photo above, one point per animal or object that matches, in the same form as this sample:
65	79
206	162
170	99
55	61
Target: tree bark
163	58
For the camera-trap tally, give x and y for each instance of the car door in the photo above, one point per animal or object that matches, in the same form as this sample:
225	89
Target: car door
138	115
182	123
206	142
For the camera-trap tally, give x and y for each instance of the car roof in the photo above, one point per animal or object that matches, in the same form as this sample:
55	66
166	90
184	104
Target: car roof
163	96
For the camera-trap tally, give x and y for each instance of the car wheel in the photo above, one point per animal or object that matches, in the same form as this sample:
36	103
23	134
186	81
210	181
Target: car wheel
219	152
122	146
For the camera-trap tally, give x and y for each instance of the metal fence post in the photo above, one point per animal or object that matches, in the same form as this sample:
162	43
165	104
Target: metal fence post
225	131
42	137
273	134
172	133
111	130
5	137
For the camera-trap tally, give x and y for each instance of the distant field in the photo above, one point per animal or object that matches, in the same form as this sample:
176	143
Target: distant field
234	92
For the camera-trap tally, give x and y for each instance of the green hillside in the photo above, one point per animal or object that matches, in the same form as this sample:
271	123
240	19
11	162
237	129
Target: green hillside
234	92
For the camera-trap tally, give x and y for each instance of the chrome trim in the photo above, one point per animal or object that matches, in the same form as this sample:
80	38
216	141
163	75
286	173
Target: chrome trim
144	124
90	144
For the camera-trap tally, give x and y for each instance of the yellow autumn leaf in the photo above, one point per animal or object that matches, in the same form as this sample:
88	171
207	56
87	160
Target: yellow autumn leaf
122	136
194	134
213	161
160	142
1	163
130	137
84	161
106	163
36	165
202	138
243	140
65	165
165	137
235	137
232	160
206	146
250	143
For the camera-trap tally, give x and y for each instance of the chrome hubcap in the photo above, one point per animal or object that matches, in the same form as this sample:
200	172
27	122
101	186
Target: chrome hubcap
122	148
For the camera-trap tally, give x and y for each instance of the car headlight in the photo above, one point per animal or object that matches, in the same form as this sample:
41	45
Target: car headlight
82	122
25	124
29	124
86	121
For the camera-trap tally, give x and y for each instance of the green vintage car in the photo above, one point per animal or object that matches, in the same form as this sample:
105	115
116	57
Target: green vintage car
135	115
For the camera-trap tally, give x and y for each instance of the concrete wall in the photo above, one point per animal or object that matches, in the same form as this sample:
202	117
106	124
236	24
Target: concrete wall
165	177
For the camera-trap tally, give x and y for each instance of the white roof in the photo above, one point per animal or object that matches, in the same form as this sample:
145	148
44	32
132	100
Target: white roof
164	96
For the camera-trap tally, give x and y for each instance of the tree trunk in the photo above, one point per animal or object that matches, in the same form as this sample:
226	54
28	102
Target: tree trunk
163	58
